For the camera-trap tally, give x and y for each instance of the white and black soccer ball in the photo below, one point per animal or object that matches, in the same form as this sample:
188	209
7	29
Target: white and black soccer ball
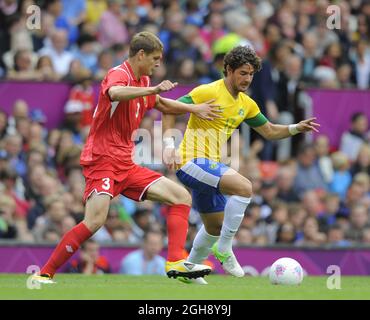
286	271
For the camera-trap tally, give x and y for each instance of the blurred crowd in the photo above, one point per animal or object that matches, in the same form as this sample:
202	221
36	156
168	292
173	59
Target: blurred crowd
72	39
304	193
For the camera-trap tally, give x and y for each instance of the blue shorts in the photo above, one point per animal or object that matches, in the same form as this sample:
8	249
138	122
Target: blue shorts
203	177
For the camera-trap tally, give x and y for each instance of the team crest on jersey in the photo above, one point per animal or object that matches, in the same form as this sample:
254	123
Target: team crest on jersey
241	112
213	166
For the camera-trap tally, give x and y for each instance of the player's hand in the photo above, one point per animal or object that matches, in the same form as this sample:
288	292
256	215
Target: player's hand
164	86
207	110
170	157
308	125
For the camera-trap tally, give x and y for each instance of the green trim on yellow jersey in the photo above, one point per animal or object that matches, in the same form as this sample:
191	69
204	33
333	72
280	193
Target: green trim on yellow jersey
186	99
256	121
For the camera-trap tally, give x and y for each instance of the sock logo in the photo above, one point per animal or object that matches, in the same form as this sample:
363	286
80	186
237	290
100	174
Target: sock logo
69	249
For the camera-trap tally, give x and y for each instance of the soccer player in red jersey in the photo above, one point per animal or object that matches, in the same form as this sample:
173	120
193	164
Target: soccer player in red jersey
107	158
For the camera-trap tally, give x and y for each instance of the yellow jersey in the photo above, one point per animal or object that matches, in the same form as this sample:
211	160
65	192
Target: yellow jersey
204	138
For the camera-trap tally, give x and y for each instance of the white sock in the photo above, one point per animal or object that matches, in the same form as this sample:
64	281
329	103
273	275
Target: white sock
234	214
202	245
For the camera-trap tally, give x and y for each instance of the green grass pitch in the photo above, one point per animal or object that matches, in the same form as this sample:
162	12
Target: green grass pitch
100	287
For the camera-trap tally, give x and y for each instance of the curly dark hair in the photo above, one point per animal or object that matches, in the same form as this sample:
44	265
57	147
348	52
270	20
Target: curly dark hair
239	56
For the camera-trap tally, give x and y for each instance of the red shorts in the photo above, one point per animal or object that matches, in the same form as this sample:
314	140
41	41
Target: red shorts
133	185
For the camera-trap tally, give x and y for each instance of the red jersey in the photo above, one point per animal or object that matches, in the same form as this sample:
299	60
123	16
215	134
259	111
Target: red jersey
109	146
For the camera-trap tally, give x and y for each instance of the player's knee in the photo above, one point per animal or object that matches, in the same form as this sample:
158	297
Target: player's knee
244	189
181	196
214	229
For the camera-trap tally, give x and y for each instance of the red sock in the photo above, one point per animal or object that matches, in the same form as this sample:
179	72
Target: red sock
177	229
69	244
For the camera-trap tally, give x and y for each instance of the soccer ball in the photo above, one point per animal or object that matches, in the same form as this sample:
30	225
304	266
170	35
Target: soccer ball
286	271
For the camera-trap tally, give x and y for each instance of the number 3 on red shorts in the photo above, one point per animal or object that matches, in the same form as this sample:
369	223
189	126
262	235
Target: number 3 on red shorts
106	183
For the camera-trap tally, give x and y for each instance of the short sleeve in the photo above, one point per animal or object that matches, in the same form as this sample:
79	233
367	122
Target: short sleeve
115	77
254	117
202	94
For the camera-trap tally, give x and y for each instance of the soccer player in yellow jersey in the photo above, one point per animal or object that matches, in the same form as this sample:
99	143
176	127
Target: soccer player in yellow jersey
199	167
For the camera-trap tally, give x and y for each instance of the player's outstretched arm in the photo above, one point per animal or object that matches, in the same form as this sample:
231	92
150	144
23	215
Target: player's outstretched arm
207	110
121	93
276	131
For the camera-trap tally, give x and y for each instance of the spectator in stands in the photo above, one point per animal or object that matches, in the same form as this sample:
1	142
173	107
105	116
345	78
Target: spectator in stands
352	139
356	194
80	107
332	56
58	53
53	217
94	11
310	56
74	12
23	66
359	220
212	30
311	234
363	179
46	69
243	236
86	52
146	260
308	173
361	60
112	28
19	111
45	186
8	228
366	236
285	233
105	62
269	191
13	187
3	124
328	217
336	236
90	261
279	216
362	162
297	215
77	72
311	201
324	161
342	177
285	180
13	147
344	76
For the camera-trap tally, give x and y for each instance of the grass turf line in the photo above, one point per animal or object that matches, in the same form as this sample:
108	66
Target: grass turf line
100	287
